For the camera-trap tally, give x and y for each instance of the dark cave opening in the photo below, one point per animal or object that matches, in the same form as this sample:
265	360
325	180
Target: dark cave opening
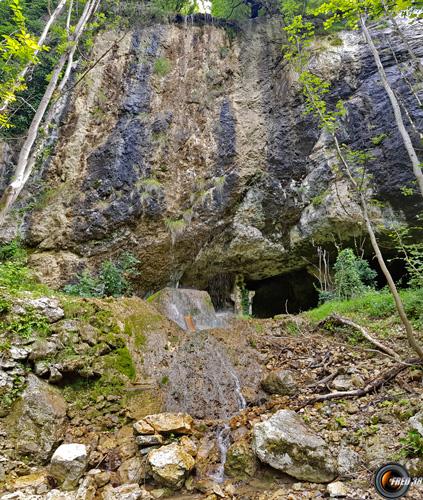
288	293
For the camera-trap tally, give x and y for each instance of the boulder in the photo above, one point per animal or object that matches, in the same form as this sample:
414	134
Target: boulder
170	465
68	464
178	423
179	304
285	443
141	427
18	353
337	490
188	445
280	382
36	422
132	470
343	383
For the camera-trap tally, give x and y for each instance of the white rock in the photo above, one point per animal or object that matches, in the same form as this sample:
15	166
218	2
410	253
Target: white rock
18	353
337	490
170	465
47	306
285	443
416	422
68	463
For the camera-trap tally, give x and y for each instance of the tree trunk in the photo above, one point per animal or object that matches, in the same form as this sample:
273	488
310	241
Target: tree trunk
395	106
40	42
414	344
410	51
24	166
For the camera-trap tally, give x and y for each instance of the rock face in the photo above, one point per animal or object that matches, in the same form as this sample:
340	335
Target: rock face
37	421
286	444
170	465
222	175
181	304
68	463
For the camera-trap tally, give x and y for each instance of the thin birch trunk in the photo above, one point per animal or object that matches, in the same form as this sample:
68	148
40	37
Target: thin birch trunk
404	40
41	40
395	106
24	166
414	344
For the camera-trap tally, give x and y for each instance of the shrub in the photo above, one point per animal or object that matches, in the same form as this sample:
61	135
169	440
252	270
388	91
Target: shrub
353	275
113	279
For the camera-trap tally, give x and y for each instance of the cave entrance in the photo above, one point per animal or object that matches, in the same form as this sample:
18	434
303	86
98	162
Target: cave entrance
293	292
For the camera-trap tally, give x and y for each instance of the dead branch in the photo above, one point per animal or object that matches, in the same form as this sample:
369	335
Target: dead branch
335	318
372	385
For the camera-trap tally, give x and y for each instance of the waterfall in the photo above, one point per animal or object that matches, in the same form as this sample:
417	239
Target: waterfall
223	434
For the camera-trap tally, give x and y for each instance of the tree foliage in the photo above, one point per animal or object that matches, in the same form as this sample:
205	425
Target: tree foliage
18	47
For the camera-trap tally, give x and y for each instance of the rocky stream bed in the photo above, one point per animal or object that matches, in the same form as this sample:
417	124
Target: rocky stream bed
109	399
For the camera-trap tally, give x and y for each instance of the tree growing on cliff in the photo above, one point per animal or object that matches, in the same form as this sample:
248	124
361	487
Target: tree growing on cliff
357	14
351	167
57	81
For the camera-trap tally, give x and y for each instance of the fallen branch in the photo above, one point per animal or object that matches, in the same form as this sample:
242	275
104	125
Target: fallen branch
335	318
372	385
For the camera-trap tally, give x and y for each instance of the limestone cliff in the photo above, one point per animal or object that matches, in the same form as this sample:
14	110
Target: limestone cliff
188	146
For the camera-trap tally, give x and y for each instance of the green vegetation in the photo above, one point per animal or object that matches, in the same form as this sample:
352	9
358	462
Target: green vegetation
26	325
113	279
353	275
14	273
378	139
12	394
412	444
373	305
162	66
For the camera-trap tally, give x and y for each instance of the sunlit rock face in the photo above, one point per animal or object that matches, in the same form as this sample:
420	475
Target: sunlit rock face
188	146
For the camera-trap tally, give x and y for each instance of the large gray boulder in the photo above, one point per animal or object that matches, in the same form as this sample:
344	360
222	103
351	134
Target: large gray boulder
68	464
285	443
178	304
36	422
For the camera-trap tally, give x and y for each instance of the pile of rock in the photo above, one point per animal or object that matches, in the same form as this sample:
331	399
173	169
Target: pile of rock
170	452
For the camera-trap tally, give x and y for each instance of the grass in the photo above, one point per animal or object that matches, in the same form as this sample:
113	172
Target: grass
374	306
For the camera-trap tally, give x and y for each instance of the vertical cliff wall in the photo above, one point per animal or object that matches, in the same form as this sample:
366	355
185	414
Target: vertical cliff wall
188	146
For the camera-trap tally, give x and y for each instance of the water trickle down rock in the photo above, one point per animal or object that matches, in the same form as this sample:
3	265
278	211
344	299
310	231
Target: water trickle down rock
179	304
214	389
